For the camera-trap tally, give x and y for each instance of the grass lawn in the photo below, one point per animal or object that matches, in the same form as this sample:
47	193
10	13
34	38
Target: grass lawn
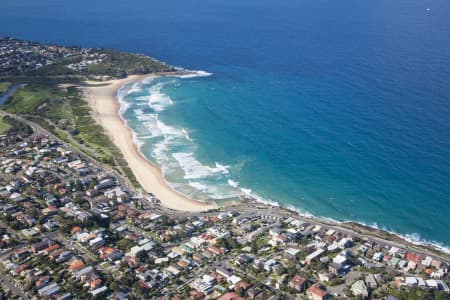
33	99
4	126
4	86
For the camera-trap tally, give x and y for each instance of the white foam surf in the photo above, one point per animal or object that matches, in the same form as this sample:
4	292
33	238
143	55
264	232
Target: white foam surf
214	181
194	169
194	73
413	238
186	134
251	195
221	168
233	183
157	100
138	112
136	87
148	80
169	132
167	138
136	140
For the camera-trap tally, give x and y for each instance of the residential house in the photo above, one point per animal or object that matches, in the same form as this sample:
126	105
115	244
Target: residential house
298	283
315	292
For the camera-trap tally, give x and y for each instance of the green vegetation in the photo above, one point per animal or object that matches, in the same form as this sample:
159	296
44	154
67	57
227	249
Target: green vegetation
33	99
127	62
227	243
12	126
4	126
258	243
4	86
63	112
336	281
114	64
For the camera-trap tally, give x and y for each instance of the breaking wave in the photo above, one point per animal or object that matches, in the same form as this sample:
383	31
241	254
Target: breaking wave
141	106
413	238
194	169
192	74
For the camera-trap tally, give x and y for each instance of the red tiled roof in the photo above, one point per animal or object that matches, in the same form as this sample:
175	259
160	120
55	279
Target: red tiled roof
76	265
196	295
429	271
298	280
242	284
75	229
52	247
230	296
419	258
316	290
410	256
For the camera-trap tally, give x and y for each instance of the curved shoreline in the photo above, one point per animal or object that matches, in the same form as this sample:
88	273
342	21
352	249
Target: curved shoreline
102	99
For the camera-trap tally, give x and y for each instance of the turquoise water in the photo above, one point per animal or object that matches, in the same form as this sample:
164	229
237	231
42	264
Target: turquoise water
337	108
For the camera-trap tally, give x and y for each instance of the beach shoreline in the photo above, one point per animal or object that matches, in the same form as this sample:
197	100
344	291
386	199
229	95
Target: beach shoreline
102	99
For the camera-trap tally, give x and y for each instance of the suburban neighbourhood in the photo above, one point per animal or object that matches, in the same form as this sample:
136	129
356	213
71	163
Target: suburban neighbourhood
75	227
71	228
25	58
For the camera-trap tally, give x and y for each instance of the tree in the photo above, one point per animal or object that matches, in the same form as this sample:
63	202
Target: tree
254	246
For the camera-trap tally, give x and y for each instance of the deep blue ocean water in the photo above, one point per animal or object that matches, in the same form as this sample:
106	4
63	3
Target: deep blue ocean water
338	108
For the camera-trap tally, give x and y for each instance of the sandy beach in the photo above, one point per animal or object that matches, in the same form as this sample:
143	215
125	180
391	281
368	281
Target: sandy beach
101	97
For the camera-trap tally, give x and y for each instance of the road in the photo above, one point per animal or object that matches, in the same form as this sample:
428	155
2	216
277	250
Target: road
7	284
248	208
86	254
39	130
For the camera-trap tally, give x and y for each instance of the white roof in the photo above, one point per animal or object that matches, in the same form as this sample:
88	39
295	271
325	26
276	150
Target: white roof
339	259
99	290
432	283
317	228
411	280
234	279
208	278
297	223
292	251
315	253
420	281
95	240
143	241
332	247
393	250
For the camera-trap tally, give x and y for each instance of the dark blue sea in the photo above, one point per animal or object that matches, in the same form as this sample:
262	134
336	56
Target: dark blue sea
340	109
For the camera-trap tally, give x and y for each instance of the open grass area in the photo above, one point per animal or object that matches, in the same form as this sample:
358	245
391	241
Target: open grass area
63	112
33	99
4	126
4	86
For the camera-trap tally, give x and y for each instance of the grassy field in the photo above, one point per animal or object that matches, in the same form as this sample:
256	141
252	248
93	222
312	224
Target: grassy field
4	86
4	126
63	112
34	99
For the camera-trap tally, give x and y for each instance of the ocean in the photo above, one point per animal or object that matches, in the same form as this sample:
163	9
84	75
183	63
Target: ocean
339	109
